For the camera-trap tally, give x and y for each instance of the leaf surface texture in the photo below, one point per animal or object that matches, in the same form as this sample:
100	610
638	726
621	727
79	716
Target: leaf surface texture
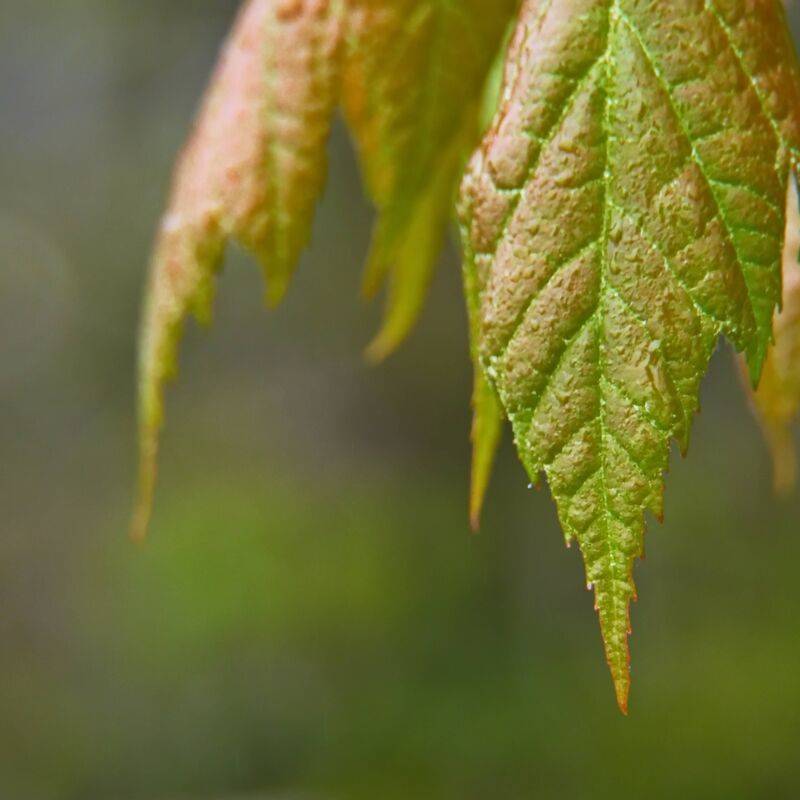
627	208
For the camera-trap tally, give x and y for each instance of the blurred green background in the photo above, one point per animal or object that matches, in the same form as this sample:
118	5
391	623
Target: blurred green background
311	617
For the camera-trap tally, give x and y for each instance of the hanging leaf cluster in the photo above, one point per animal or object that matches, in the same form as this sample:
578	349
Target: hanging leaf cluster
625	209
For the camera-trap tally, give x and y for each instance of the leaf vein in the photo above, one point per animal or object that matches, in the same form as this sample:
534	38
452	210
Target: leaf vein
698	160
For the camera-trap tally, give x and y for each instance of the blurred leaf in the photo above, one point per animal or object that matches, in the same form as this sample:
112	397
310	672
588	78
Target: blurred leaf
777	399
252	171
626	208
412	85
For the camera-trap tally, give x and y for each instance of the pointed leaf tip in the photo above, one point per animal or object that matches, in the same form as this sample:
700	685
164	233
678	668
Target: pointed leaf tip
143	509
487	429
616	629
622	690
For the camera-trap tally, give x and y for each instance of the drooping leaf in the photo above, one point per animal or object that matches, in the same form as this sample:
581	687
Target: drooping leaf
777	400
252	171
627	207
412	83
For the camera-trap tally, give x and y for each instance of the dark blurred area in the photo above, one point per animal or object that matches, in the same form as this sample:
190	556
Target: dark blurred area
311	617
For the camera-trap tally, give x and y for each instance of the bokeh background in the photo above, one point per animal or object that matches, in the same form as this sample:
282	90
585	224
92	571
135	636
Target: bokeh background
311	617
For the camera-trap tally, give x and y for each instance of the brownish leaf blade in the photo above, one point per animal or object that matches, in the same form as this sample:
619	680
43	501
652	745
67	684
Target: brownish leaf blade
252	171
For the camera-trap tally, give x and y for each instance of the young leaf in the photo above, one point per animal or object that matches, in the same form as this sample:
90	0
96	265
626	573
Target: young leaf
627	208
777	400
412	84
252	171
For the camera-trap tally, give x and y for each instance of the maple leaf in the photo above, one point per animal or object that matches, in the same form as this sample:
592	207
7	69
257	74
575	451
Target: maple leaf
777	400
252	171
413	80
626	208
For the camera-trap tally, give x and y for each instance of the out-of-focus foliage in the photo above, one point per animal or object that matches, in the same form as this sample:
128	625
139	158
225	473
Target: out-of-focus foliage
410	74
413	83
777	399
252	171
625	209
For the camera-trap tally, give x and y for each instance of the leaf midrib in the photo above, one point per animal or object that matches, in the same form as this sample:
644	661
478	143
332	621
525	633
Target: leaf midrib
611	543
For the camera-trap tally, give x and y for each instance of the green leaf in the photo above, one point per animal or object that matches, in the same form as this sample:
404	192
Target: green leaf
252	171
486	434
627	207
412	84
487	413
777	401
